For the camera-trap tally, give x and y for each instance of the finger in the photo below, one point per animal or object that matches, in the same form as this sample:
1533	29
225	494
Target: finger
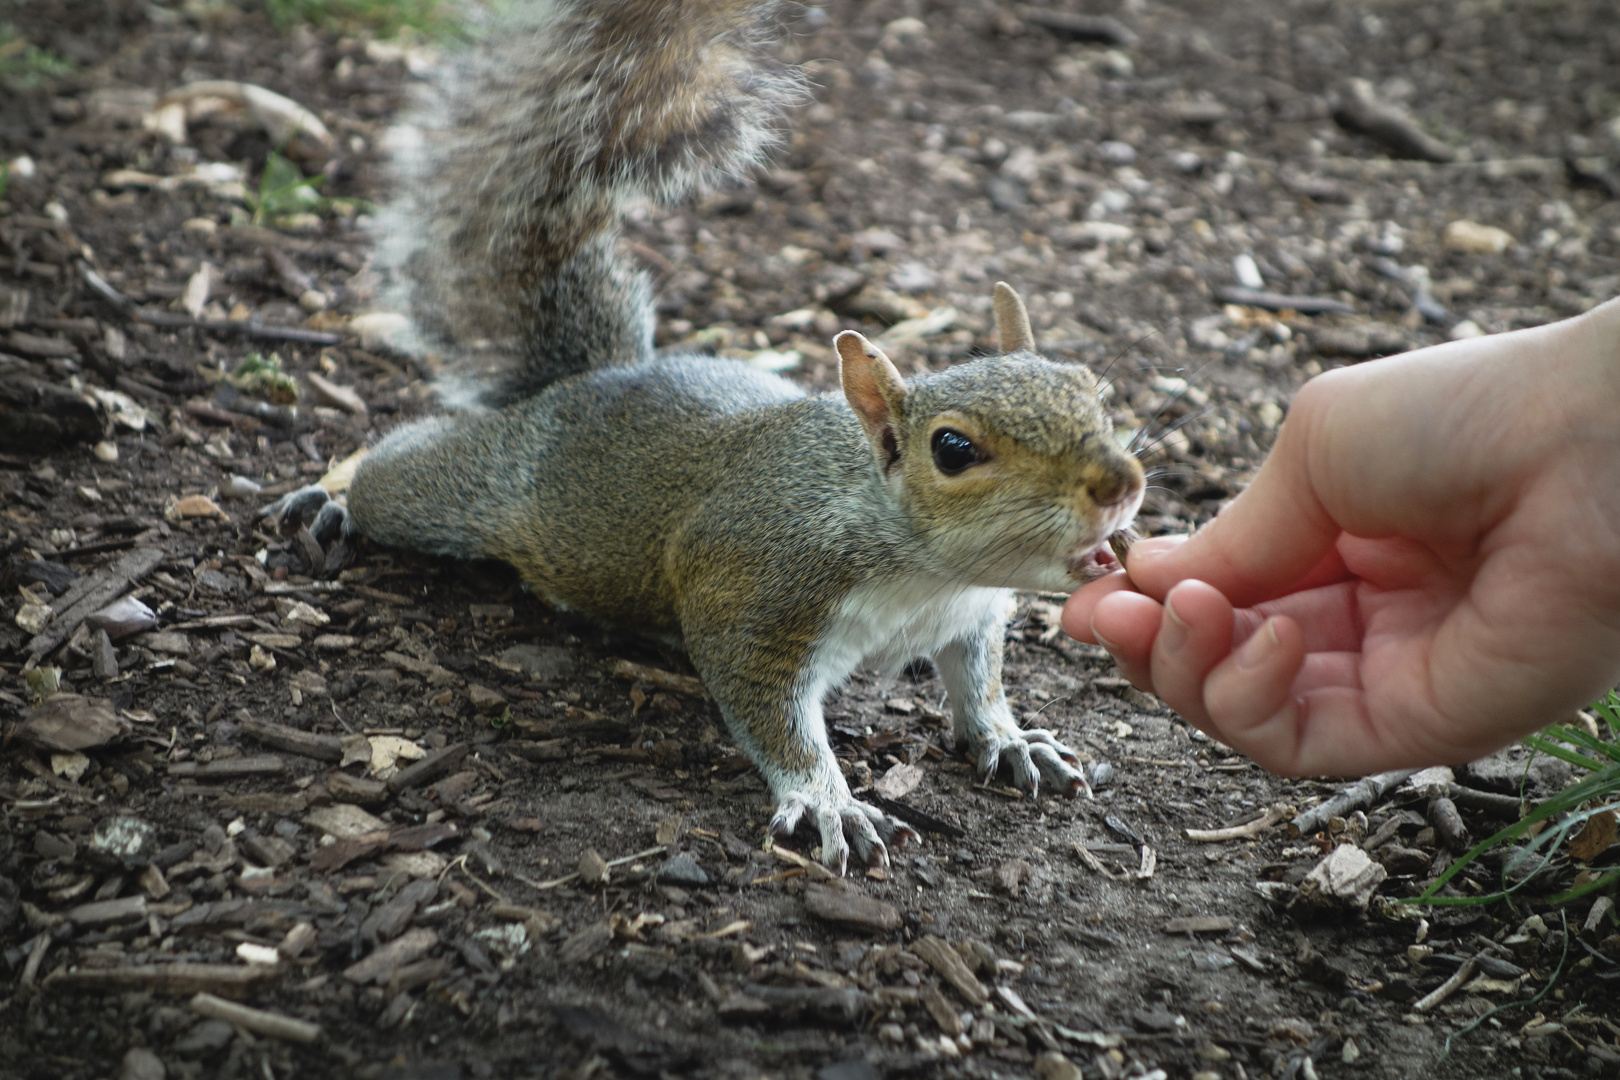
1078	610
1330	616
1251	697
1125	624
1267	540
1196	634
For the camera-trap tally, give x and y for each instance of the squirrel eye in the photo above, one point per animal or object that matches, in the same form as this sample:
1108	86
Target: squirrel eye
954	451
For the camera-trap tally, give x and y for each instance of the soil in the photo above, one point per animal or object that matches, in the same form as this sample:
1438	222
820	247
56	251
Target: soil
947	146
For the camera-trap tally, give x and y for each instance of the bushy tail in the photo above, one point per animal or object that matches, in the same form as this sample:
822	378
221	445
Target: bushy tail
502	236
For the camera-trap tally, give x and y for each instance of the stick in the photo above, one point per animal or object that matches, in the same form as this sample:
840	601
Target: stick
1241	832
1357	796
1305	305
246	327
1447	988
257	1021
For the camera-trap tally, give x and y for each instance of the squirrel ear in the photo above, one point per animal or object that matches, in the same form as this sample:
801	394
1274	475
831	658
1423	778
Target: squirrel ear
1012	320
874	390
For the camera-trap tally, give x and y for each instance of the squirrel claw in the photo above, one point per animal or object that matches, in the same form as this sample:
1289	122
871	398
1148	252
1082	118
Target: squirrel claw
844	823
330	524
1032	756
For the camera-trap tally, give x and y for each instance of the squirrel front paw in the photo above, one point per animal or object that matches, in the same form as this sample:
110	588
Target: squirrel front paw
1033	754
842	819
328	521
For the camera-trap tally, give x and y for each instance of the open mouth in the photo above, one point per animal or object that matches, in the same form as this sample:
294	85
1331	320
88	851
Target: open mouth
1090	565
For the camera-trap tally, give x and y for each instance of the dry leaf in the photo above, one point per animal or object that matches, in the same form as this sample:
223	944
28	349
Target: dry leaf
69	766
1595	838
899	781
387	750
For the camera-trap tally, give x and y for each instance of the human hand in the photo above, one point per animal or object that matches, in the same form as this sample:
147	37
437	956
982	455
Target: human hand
1425	568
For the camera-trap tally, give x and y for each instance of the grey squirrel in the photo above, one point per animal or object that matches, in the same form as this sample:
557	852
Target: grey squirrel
783	538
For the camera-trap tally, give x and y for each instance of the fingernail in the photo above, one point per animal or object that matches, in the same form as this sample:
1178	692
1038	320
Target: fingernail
1173	634
1260	648
1155	548
1104	642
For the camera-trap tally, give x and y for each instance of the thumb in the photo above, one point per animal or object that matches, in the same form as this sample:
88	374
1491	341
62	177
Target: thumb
1273	538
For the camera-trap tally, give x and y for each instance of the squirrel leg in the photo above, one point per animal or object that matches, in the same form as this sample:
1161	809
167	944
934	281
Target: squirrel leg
982	722
786	738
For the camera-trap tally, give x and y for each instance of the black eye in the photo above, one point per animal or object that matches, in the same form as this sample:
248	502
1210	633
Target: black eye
954	451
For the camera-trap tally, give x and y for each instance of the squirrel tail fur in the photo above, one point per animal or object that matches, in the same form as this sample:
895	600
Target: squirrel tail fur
517	163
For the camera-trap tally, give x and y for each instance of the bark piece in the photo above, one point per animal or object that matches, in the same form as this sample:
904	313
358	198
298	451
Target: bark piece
436	764
291	739
1270	301
67	723
848	908
1358	796
1101	29
89	595
1200	924
664	680
381	965
230	768
950	966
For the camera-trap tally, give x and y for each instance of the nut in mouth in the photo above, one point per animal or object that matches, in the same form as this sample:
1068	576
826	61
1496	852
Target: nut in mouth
1104	559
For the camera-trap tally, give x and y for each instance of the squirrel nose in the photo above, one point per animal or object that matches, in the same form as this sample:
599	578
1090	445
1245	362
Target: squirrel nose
1116	484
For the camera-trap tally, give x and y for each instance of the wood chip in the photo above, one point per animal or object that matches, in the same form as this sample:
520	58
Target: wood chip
230	768
290	739
847	907
585	943
944	1014
70	722
108	912
1200	924
380	966
950	966
901	780
436	764
663	680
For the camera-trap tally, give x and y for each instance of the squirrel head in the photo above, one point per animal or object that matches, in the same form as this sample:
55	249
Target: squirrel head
1006	466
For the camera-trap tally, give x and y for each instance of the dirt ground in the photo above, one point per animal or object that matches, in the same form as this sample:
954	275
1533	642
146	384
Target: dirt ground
256	788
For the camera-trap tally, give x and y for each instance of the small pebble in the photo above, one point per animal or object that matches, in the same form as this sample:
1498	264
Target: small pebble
1115	152
682	870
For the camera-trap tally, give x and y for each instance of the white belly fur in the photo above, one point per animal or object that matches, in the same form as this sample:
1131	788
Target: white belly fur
882	626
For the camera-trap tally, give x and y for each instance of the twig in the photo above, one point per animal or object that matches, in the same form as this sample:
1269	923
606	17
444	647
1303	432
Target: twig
1357	796
1447	988
1270	301
258	1021
246	327
557	882
1241	832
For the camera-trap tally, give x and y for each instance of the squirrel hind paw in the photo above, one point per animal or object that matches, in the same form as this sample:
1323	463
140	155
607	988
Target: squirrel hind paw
844	822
